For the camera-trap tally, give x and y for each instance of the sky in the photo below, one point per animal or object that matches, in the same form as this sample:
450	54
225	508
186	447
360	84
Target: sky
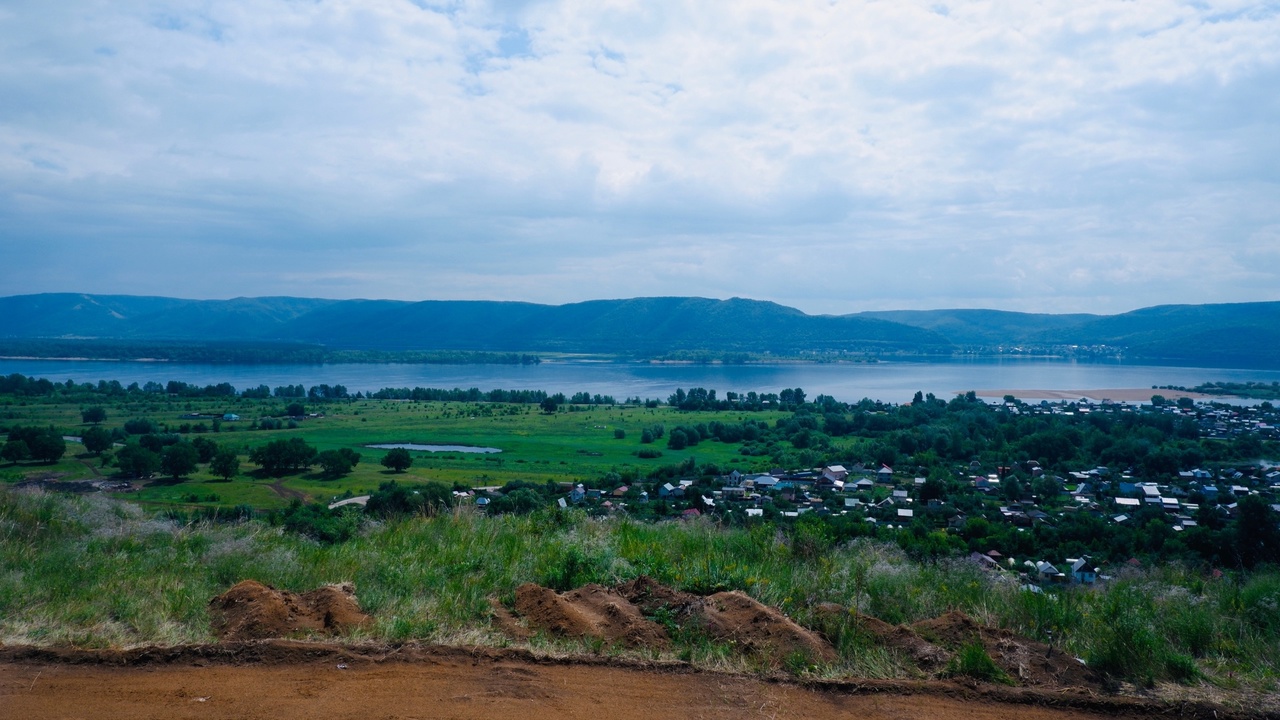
1051	156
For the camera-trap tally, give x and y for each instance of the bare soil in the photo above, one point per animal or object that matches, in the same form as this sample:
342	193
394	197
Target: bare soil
253	611
591	611
288	680
1027	661
760	629
618	616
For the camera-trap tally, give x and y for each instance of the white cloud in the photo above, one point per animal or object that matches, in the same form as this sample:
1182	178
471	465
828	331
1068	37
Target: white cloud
1086	155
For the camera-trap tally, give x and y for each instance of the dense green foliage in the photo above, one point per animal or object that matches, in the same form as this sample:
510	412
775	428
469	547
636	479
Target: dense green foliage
283	456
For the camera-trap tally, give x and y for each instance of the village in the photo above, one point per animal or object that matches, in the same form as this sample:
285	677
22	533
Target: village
1020	495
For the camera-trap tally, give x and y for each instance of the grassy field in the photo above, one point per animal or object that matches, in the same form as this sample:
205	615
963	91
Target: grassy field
568	446
95	572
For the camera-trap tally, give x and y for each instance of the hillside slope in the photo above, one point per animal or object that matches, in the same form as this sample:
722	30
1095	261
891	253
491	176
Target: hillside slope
640	325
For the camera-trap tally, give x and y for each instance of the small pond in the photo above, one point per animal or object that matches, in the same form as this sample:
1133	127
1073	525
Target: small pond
436	448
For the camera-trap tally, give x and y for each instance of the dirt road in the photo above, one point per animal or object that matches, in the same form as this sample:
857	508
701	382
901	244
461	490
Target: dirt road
302	683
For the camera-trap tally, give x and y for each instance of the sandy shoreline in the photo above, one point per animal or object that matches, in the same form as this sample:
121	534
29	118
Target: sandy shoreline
1097	395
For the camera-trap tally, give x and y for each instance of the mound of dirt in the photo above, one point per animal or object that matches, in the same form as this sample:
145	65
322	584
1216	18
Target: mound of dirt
650	596
1027	661
928	657
506	623
251	610
591	611
760	628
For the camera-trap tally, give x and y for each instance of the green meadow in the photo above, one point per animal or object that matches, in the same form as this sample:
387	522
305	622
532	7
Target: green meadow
574	444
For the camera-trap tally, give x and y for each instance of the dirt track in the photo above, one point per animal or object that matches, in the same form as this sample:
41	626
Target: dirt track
282	681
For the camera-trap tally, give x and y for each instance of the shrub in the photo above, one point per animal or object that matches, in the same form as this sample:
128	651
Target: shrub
1181	668
973	661
575	569
1125	647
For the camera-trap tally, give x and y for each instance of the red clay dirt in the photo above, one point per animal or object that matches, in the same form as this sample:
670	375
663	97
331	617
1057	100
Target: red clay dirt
1027	661
591	611
761	629
289	680
617	615
253	611
928	657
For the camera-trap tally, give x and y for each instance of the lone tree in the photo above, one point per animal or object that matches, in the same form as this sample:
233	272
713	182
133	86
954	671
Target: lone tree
225	464
338	462
397	459
136	461
549	405
96	439
93	415
179	460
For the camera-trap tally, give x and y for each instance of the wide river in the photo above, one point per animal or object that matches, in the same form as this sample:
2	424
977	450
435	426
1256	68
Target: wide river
888	381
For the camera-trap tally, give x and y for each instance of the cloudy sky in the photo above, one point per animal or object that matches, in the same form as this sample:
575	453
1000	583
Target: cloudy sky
1061	155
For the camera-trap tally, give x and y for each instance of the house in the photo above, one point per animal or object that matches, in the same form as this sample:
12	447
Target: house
755	512
230	417
1046	571
1081	571
904	513
884	474
764	482
983	561
834	474
577	494
669	490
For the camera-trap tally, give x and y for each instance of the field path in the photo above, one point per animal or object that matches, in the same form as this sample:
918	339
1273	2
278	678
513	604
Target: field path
288	683
288	493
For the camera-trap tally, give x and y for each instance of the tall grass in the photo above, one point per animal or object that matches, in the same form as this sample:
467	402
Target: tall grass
95	572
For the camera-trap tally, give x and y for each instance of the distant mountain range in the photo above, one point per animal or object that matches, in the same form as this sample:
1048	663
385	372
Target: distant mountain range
1246	334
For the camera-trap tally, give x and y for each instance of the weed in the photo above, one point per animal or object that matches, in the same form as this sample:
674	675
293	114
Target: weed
973	661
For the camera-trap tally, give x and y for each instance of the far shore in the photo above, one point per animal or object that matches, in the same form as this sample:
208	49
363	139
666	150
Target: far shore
1114	394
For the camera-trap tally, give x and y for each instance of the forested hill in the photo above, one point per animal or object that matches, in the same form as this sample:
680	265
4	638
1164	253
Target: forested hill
1242	334
640	325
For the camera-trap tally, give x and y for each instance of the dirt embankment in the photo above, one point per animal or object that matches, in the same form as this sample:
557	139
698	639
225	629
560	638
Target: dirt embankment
242	677
253	611
622	615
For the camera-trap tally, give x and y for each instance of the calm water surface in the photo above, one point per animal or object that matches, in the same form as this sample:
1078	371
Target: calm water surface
888	381
436	448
